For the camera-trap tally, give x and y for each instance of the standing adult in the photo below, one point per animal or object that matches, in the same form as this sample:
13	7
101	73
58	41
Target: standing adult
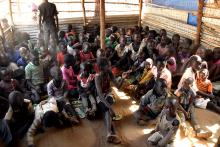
49	20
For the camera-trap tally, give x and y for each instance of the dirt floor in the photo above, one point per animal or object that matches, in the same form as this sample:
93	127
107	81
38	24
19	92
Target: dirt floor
92	133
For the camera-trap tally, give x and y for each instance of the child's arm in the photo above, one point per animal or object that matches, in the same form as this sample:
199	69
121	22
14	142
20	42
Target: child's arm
32	131
205	94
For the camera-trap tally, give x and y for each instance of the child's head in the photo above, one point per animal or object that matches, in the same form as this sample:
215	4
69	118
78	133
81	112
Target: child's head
164	40
175	39
122	41
3	107
163	32
16	100
24	52
63	47
6	75
113	38
216	53
122	31
151	44
201	52
203	74
56	73
86	47
114	29
160	87
137	38
187	43
4	61
195	62
62	34
152	34
108	32
187	83
148	63
129	32
35	59
103	64
85	69
136	29
51	119
146	29
69	27
161	64
68	60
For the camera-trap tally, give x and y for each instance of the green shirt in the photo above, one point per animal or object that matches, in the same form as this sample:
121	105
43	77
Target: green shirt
34	73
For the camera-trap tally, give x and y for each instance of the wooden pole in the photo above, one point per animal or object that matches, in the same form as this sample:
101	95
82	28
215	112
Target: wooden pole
199	21
84	12
140	12
10	12
102	23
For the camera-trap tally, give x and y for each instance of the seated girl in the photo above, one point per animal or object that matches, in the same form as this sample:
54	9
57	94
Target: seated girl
85	53
86	88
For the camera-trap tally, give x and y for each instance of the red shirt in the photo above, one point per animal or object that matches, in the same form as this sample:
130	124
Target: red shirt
60	58
85	56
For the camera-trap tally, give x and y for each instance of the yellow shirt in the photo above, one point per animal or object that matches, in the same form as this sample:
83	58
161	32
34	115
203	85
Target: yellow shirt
146	76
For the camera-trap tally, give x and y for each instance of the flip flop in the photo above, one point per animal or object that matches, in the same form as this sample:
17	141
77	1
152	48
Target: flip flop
117	117
113	139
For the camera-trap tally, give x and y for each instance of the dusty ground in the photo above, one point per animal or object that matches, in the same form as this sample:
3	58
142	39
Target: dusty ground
92	133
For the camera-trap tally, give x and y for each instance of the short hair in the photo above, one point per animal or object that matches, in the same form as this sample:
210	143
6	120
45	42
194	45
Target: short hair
102	62
68	58
53	70
15	98
162	81
50	119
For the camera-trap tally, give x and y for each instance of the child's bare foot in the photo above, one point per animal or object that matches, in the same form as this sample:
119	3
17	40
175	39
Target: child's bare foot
203	134
113	139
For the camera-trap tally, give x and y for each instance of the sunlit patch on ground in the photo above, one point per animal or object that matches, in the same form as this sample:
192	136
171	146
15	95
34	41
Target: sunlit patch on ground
133	102
120	94
214	128
133	108
147	131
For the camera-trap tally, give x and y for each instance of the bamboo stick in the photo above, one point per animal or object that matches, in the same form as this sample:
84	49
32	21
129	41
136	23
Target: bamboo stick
84	12
199	21
140	12
102	23
10	12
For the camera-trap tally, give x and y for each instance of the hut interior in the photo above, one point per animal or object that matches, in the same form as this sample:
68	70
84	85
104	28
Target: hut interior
198	20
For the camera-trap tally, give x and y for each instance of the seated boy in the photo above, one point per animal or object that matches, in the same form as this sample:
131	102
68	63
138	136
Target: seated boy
6	83
34	75
186	98
47	115
20	114
85	53
60	55
166	126
151	104
25	57
86	88
57	89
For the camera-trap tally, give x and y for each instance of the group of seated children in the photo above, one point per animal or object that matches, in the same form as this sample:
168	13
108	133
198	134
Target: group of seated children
167	76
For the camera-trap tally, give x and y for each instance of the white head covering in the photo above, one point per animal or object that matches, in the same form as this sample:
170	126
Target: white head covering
150	61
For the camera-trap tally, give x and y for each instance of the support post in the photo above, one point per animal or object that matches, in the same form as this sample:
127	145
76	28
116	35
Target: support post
199	22
84	12
102	23
140	12
10	12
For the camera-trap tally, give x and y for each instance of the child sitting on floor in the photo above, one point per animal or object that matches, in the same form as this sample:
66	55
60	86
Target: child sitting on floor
34	74
85	53
25	57
84	35
166	127
20	114
186	99
128	36
151	104
6	83
70	77
86	88
206	99
60	55
57	89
